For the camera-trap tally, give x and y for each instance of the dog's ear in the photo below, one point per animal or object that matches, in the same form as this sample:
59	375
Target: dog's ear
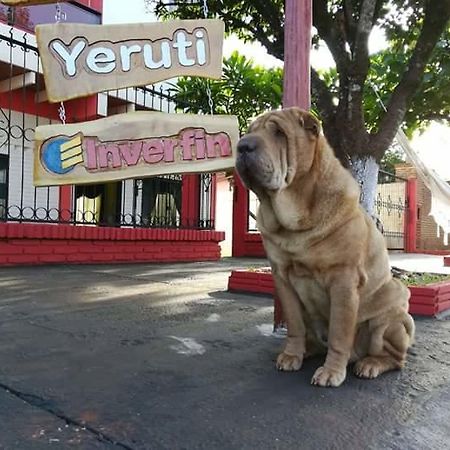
307	121
311	124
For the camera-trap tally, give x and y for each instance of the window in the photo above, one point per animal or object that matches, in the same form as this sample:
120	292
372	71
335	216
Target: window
27	17
4	166
161	201
98	204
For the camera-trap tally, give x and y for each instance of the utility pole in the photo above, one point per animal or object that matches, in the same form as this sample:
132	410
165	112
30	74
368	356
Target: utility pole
297	48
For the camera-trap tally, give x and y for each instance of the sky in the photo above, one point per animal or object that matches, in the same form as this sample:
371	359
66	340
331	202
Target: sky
433	146
133	11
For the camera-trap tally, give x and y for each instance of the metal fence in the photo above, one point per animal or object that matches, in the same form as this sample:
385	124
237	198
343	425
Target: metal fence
151	202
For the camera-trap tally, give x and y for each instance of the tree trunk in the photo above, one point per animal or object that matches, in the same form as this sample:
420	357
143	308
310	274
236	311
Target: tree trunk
365	170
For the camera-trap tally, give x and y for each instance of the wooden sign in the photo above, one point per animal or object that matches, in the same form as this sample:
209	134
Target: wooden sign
133	145
80	59
26	2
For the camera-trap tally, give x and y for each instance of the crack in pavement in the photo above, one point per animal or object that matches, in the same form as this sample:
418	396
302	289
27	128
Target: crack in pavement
42	404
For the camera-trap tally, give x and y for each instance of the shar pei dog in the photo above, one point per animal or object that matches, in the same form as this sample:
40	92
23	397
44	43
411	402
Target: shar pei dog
329	262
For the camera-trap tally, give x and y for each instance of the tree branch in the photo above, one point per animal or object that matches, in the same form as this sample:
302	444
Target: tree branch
329	31
379	5
322	97
274	16
323	100
350	22
361	48
436	18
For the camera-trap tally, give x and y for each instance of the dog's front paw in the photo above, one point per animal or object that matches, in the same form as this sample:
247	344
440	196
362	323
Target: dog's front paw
328	377
289	363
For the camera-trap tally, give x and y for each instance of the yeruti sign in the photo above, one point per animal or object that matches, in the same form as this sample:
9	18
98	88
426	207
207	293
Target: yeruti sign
79	60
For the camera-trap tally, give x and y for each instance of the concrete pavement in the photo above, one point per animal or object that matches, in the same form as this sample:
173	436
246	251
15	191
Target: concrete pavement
161	357
416	262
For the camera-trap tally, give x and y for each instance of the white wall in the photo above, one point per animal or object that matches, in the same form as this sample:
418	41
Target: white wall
129	11
21	191
224	214
127	199
134	11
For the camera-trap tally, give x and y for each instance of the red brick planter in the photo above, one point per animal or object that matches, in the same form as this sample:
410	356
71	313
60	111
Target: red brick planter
253	281
25	244
256	282
428	300
431	299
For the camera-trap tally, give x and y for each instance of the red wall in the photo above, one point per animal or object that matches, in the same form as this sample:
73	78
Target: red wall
96	5
244	243
31	244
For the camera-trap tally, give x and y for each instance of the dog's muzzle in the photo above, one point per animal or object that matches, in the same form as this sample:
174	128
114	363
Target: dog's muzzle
247	158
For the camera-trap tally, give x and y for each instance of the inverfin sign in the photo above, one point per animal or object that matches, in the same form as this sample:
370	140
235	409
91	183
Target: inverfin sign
79	59
133	145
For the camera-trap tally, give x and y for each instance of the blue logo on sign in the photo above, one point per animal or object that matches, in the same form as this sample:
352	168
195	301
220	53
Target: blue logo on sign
61	155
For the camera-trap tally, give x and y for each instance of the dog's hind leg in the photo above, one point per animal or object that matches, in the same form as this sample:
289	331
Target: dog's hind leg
388	346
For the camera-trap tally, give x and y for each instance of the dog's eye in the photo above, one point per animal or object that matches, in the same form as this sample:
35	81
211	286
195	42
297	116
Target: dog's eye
279	133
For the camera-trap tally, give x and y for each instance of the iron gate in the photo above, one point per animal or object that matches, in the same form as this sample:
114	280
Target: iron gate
391	207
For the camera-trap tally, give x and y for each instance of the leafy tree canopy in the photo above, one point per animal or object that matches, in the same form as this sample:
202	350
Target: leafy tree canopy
245	90
412	75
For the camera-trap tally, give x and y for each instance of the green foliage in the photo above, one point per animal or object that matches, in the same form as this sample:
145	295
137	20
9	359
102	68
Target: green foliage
422	279
432	99
426	95
250	20
245	90
392	157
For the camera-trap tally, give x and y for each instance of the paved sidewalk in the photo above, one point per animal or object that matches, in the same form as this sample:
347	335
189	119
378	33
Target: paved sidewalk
416	262
161	357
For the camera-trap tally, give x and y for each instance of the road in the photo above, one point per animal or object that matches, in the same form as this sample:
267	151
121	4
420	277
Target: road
162	357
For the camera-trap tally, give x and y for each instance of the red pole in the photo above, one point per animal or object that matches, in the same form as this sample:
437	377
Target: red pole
297	71
411	216
297	48
240	217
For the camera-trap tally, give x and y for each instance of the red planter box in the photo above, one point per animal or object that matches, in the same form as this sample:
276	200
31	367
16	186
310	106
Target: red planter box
431	299
428	300
253	281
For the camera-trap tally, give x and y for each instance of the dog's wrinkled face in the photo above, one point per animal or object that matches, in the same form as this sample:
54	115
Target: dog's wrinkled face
278	148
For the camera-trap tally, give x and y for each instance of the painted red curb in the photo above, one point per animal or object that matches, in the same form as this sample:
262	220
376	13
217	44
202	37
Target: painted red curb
429	300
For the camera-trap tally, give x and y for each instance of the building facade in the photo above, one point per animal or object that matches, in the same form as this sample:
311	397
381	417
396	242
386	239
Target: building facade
165	218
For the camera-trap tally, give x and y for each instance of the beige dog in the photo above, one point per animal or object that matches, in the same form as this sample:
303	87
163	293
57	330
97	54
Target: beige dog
329	262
